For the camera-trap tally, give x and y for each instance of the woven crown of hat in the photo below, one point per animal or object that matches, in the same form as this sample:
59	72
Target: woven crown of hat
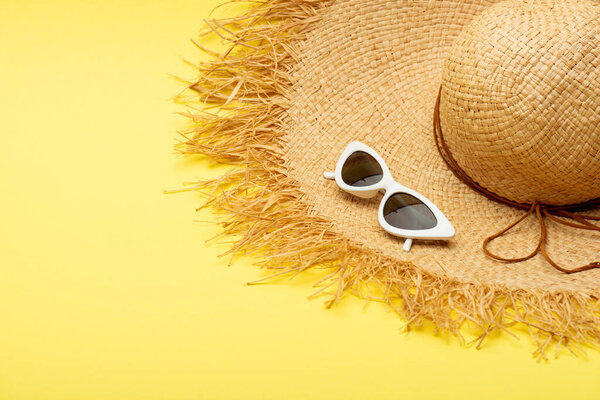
520	105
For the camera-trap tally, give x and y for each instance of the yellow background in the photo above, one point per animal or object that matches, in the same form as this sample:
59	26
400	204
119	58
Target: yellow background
107	289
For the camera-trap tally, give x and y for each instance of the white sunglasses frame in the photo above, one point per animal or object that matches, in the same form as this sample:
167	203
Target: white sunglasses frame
443	229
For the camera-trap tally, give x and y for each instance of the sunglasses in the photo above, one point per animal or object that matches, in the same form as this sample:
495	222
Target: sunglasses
403	212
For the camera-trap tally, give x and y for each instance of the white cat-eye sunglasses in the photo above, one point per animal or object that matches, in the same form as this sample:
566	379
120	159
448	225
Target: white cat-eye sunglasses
403	212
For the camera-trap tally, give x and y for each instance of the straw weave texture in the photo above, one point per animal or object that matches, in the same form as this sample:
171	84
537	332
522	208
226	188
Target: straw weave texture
381	66
520	106
303	78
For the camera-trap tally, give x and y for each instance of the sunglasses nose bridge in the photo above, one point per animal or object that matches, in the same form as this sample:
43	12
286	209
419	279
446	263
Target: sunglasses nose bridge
386	184
365	194
382	186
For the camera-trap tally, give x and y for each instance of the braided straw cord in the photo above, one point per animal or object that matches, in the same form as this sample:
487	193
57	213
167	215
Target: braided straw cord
301	80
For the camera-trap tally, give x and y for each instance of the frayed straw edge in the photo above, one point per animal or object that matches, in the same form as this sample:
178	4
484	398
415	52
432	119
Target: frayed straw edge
247	85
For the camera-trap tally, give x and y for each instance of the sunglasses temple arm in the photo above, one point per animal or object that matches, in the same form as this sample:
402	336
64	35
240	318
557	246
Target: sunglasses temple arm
329	175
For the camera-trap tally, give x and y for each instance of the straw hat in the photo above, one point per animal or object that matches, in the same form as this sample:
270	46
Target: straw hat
518	132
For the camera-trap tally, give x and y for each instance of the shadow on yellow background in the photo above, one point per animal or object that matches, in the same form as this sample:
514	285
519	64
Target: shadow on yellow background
108	290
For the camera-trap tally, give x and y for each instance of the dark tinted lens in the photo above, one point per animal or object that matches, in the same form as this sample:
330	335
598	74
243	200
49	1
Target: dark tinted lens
361	169
404	211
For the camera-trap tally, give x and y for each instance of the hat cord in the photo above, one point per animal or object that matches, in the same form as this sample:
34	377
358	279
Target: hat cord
542	211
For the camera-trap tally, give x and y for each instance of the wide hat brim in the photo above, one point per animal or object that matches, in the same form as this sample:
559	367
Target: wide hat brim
332	72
